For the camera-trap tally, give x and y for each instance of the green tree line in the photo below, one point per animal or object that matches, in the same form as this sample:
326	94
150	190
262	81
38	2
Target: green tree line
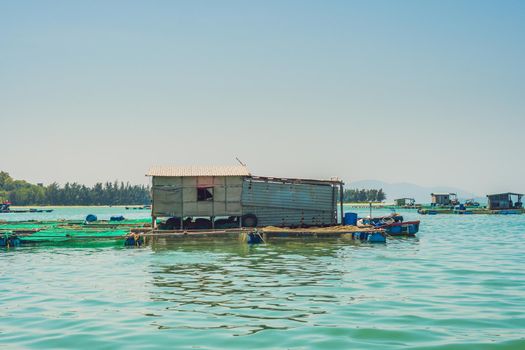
361	195
20	192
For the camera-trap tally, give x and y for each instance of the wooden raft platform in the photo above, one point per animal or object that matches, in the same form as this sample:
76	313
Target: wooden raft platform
470	211
342	231
267	233
140	236
217	233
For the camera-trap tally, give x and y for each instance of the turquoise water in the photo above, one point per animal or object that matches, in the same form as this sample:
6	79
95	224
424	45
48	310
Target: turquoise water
459	285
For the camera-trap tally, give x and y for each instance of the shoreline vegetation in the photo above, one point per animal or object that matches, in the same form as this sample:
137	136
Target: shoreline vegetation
356	195
23	193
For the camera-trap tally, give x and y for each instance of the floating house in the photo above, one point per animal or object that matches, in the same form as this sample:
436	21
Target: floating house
203	197
405	202
504	201
444	199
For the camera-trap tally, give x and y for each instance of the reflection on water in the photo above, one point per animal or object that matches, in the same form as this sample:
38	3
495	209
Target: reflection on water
281	285
260	287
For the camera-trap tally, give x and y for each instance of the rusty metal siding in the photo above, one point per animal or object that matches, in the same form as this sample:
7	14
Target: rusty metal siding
290	217
289	204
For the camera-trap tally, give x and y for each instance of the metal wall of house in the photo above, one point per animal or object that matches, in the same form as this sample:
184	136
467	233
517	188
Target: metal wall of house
399	202
442	200
285	204
499	202
177	196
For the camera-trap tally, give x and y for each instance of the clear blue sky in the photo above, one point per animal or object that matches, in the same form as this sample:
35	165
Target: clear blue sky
429	92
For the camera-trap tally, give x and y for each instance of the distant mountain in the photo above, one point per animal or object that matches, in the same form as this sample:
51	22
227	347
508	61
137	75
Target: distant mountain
402	189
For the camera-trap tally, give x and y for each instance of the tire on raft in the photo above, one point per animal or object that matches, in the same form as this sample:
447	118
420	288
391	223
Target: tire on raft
231	222
172	223
202	224
249	220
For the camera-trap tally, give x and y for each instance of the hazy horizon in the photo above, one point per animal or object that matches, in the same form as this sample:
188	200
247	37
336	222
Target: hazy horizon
430	93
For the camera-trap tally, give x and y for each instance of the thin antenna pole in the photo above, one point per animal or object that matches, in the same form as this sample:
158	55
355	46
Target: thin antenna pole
240	161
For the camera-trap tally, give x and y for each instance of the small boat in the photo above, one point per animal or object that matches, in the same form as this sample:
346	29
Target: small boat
33	210
393	224
5	208
144	207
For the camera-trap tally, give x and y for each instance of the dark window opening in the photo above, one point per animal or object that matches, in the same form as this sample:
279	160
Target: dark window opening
205	194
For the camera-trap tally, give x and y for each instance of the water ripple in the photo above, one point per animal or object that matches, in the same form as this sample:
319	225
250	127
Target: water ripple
460	284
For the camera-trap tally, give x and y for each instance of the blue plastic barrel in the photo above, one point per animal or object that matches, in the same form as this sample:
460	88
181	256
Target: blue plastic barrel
350	219
254	238
91	218
376	237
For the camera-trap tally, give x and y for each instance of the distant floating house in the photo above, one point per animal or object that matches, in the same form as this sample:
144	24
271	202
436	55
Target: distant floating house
502	201
405	202
444	199
204	197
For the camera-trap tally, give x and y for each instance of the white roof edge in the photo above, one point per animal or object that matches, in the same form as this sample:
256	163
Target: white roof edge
190	171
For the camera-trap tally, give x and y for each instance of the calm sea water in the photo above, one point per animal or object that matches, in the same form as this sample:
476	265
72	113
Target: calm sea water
459	285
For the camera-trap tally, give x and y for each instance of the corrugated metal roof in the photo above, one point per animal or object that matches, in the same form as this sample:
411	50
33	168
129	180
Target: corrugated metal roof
505	194
235	170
